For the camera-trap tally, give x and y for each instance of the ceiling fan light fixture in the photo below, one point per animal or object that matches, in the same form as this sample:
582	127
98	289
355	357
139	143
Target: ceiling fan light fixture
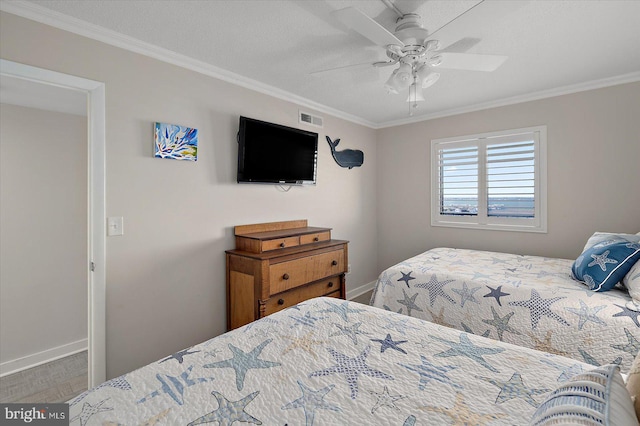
415	95
404	74
434	61
395	84
431	45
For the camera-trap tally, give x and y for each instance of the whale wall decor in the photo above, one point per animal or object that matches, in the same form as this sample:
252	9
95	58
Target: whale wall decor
349	158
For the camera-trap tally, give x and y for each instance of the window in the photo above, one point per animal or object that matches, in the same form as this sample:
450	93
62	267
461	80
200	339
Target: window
490	181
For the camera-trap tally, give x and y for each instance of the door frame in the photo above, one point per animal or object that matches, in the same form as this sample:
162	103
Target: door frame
96	244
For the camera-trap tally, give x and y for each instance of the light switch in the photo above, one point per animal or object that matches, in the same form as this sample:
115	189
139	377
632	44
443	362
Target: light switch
115	226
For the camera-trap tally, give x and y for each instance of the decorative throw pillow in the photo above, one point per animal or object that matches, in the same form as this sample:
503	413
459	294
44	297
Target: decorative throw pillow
606	263
599	237
632	282
597	397
633	384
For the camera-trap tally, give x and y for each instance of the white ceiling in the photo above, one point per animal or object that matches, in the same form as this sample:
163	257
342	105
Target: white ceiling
553	46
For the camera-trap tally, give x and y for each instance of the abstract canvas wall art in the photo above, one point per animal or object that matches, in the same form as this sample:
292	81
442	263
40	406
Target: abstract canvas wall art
176	142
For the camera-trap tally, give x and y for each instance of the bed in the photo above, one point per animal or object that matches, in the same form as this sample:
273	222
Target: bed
525	300
333	362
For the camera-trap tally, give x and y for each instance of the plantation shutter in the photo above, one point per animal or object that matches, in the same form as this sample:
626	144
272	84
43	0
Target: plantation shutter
458	183
510	171
492	180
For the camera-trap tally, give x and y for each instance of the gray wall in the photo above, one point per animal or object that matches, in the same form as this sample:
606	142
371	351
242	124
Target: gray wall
165	286
593	162
43	230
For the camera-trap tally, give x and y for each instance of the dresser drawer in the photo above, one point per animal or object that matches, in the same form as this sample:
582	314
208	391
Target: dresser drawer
314	238
280	243
286	275
328	287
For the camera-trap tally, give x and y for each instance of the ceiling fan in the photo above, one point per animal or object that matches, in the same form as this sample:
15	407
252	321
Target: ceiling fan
417	52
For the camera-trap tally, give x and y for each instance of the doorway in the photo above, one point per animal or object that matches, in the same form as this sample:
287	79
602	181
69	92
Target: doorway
65	88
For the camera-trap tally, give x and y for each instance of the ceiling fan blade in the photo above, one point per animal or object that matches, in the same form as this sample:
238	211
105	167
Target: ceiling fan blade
470	61
485	12
361	23
343	68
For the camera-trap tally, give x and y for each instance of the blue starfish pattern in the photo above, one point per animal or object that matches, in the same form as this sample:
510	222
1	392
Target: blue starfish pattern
632	347
350	331
242	362
310	401
352	368
174	386
468	329
435	289
389	343
496	293
341	309
406	278
587	314
308	319
539	307
229	412
589	359
118	383
466	348
565	372
178	356
480	275
249	326
385	399
428	371
626	312
515	388
409	302
501	323
400	325
384	281
88	411
466	293
601	260
410	421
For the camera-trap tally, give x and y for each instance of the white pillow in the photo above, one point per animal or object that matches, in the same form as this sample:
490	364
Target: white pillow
599	237
632	282
597	397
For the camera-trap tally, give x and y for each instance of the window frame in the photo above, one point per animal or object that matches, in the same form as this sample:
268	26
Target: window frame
482	220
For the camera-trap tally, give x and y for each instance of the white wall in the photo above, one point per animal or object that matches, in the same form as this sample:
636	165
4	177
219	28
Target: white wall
166	276
43	233
593	144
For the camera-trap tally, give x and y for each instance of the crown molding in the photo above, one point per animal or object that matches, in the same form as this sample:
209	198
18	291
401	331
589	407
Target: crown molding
543	94
64	22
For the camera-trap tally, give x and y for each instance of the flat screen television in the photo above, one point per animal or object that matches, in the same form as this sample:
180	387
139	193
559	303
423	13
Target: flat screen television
276	154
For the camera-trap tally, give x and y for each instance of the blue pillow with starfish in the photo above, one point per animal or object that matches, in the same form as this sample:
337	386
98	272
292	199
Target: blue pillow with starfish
603	265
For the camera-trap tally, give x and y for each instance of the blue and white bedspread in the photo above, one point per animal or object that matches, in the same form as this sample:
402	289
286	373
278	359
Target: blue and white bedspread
332	362
525	300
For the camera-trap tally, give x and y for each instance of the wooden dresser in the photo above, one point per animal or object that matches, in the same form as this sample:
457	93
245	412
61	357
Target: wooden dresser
279	264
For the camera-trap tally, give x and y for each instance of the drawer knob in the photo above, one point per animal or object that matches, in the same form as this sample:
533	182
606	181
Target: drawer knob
285	277
280	301
334	262
316	238
330	283
282	245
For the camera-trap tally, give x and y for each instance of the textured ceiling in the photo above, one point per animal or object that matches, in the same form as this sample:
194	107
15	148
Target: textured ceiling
549	44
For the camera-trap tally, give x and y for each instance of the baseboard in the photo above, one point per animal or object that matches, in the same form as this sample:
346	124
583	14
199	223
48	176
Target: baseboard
355	292
33	360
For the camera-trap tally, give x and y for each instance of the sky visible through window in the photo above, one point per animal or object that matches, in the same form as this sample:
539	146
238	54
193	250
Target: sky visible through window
510	179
